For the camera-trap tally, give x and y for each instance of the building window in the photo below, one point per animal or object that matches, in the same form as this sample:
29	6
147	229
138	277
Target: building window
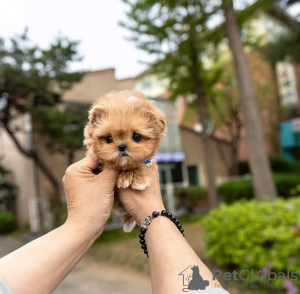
170	173
244	32
176	172
271	38
297	138
193	174
146	84
270	24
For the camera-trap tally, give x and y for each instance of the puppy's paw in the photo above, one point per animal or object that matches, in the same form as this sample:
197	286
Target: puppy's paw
128	223
124	179
140	183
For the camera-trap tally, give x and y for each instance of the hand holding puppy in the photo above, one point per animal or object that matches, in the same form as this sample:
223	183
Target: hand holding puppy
141	203
89	197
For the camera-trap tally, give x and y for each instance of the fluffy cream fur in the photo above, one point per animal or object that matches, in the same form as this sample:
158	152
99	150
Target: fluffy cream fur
116	119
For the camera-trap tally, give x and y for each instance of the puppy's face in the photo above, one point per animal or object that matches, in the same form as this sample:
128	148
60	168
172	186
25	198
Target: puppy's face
124	130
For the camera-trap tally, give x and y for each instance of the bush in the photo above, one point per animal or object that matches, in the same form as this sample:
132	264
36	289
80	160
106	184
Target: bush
253	235
278	165
232	191
285	183
7	222
190	197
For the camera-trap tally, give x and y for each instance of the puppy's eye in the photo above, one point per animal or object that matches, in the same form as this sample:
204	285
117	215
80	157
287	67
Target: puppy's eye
136	137
109	139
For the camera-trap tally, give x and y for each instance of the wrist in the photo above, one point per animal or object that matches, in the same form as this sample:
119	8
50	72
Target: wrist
87	230
147	211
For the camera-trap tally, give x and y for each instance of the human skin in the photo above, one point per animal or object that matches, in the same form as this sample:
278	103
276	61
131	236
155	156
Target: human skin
40	266
169	252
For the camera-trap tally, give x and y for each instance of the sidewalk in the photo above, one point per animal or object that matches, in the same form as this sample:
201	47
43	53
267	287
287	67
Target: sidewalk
8	244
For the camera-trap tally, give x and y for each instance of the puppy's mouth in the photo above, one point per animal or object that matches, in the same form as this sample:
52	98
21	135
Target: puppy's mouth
124	154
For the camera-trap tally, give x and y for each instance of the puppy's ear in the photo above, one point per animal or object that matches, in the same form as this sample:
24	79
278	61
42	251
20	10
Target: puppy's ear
161	120
157	120
96	114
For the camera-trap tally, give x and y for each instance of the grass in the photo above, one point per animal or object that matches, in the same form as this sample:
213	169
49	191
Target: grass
118	235
191	218
115	236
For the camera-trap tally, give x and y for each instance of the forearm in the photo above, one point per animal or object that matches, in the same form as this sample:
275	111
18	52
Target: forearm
169	255
42	264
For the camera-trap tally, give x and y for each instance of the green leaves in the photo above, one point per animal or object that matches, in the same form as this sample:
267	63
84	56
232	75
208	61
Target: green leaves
252	235
27	73
287	46
62	128
243	189
164	29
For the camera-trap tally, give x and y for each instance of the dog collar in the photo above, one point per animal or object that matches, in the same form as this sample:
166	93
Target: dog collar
148	162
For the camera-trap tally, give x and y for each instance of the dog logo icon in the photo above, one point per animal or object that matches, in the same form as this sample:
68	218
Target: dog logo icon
260	275
192	279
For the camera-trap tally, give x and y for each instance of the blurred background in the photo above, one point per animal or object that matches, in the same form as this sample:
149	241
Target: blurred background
227	76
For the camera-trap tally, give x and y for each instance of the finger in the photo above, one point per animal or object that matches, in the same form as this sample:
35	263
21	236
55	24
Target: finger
109	174
155	172
90	163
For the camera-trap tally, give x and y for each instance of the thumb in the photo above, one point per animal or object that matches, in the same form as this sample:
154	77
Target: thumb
109	176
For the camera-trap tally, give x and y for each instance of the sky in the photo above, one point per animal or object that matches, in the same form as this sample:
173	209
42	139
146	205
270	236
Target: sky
93	22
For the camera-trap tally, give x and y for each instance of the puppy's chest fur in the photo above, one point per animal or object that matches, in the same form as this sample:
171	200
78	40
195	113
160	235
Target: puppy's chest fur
135	178
123	133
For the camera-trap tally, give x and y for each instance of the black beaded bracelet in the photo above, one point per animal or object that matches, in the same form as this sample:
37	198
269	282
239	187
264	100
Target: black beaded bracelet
148	220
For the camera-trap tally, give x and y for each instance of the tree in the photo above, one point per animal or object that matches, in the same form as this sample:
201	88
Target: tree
32	77
287	45
225	112
287	2
259	163
62	130
171	30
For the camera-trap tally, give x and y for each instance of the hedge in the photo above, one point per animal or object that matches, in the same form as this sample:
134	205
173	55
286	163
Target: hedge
190	197
256	235
232	191
7	222
278	165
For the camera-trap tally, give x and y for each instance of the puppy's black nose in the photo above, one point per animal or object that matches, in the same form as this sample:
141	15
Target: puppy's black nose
122	147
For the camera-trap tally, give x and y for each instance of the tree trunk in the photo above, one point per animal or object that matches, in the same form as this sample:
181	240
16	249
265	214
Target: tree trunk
236	128
207	146
35	157
263	182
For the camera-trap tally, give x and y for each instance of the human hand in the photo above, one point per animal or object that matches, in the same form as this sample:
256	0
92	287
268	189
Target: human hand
89	196
141	203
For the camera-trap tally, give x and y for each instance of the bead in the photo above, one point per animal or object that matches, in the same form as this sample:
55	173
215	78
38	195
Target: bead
143	231
182	230
144	246
169	214
146	251
142	241
173	218
163	212
176	222
179	226
142	236
155	213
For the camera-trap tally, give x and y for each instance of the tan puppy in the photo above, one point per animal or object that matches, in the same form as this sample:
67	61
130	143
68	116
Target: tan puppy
124	131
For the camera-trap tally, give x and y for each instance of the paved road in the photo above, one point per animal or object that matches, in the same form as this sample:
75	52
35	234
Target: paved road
92	277
8	244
